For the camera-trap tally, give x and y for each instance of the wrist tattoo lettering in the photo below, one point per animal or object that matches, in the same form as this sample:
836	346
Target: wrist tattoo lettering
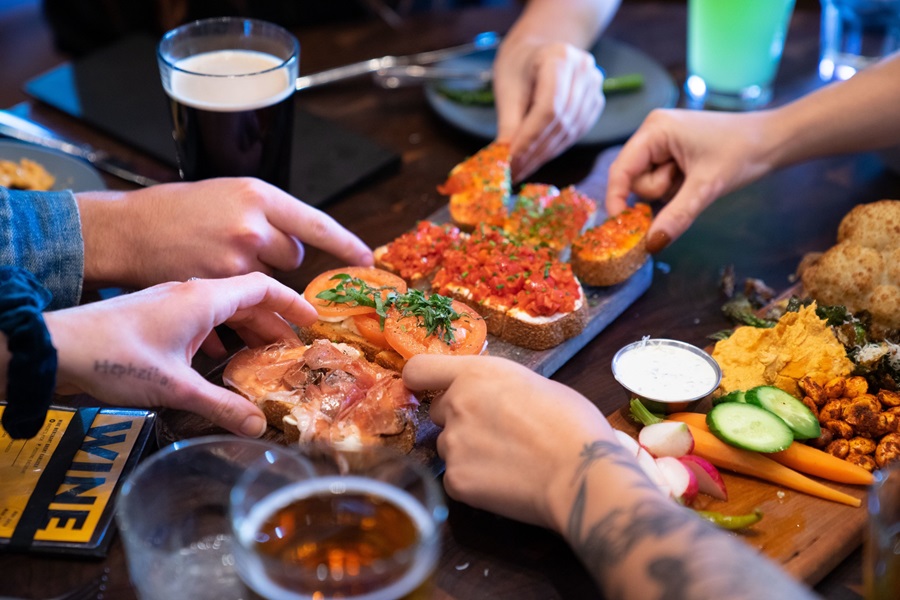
129	371
714	569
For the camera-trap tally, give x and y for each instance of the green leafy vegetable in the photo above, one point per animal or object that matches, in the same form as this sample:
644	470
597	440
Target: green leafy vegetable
484	96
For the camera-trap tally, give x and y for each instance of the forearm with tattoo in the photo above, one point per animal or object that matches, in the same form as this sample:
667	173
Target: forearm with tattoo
640	544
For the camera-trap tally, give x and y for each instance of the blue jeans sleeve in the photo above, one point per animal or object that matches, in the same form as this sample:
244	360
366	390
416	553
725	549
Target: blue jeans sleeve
41	232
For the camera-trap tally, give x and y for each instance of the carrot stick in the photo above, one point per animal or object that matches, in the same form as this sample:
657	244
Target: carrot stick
708	446
800	457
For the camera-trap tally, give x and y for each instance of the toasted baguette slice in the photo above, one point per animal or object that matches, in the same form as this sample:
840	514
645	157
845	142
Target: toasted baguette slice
544	215
479	188
343	332
417	254
613	251
542	333
284	380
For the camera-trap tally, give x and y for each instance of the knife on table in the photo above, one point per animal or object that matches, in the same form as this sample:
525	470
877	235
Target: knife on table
487	40
24	130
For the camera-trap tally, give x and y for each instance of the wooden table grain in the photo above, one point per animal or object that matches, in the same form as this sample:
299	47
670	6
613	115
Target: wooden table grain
762	231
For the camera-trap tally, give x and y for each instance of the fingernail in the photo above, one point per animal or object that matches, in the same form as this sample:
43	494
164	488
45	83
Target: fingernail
366	259
253	426
658	241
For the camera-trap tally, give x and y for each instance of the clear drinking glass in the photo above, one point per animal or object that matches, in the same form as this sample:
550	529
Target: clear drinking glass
230	83
734	48
856	33
173	516
881	556
366	526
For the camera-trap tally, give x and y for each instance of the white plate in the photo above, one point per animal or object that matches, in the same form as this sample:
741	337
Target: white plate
71	173
623	114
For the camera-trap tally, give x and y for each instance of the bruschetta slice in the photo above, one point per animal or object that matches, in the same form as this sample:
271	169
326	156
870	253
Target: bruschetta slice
479	188
544	215
325	392
613	251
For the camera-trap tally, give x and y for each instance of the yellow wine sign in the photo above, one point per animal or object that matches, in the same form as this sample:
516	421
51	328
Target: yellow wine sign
77	508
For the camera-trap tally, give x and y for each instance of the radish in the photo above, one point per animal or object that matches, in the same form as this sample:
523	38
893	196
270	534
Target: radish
628	442
648	464
709	480
680	478
668	438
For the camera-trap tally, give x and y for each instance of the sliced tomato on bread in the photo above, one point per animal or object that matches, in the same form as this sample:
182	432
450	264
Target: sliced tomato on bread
446	327
479	187
369	327
348	291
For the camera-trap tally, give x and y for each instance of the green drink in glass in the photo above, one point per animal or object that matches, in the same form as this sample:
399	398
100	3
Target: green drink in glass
734	47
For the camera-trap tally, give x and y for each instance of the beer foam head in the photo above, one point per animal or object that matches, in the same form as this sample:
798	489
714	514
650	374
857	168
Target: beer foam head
230	80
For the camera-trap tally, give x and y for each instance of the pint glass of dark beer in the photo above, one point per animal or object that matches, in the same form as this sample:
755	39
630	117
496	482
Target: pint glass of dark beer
366	526
230	83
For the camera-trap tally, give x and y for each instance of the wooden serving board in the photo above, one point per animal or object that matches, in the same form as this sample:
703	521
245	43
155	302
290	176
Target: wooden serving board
807	536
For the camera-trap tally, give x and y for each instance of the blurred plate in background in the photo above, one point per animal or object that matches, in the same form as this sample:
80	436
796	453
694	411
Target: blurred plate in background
70	173
623	114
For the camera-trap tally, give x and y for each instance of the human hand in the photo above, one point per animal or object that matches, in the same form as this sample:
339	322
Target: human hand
512	439
213	228
136	349
547	95
688	159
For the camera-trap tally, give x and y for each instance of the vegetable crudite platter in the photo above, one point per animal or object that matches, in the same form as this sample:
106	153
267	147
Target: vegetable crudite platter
807	406
531	277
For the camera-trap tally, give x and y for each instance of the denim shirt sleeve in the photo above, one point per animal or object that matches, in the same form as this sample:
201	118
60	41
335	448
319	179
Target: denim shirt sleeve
41	232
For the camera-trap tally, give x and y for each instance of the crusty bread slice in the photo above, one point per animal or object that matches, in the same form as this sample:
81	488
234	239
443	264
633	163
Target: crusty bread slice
613	251
479	188
542	333
343	333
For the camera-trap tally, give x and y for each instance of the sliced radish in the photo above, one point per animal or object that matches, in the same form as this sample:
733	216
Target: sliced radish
648	464
668	438
709	480
627	441
681	479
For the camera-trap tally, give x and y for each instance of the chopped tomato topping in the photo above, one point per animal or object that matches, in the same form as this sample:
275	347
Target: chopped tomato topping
479	186
417	253
616	235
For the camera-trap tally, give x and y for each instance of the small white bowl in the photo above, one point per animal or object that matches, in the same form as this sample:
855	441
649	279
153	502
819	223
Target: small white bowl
667	375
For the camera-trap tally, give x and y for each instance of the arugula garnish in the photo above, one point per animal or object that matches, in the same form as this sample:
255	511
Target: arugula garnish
434	312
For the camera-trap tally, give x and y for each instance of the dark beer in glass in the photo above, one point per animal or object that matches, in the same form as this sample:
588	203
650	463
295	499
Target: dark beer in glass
230	84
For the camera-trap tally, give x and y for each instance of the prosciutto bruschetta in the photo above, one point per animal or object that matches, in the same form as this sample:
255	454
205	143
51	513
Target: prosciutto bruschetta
325	392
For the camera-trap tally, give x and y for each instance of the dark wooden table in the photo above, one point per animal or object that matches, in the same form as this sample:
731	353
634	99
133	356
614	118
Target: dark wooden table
762	231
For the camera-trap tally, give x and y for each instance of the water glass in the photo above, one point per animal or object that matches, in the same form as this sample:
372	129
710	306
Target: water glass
366	526
230	83
734	49
173	516
881	556
856	33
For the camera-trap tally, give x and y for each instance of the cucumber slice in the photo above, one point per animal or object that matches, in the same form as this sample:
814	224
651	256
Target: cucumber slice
749	427
734	396
797	415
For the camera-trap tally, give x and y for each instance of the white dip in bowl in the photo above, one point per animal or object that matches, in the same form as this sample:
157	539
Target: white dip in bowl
668	375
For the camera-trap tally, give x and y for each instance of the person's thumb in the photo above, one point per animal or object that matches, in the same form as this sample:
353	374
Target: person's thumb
225	409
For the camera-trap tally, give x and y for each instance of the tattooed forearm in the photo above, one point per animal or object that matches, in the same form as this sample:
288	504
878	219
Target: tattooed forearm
644	545
129	371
